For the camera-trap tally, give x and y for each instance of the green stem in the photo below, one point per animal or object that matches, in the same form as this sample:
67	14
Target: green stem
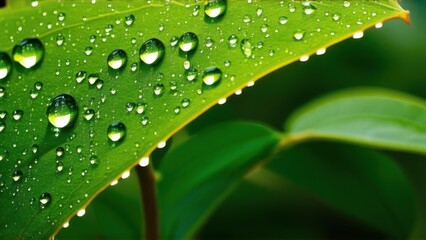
146	178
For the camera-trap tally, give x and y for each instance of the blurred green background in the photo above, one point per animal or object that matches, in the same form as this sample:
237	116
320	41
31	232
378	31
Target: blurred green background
391	57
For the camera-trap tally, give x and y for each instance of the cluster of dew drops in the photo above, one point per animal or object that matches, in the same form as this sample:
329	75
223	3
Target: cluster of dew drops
63	109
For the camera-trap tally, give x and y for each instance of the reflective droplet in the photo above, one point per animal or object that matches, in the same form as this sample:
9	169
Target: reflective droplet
158	89
185	102
247	47
59	167
212	76
358	35
45	199
88	114
188	41
232	40
191	74
308	8
140	107
60	151
298	35
61	16
116	131
129	19
283	20
17	114
80	76
173	41
209	42
346	3
5	65
94	160
62	111
117	59
60	39
92	78
2	127
215	8
88	51
16	176
81	212
28	53
151	51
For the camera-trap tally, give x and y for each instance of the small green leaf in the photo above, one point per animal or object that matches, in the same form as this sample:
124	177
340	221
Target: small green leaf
373	117
360	183
199	173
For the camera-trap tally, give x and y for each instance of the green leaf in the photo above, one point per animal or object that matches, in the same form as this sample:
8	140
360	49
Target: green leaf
38	160
199	173
374	117
360	183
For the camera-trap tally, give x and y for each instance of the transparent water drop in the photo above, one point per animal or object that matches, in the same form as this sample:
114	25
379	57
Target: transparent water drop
62	111
17	114
191	74
282	20
186	64
116	131
81	212
88	114
2	92
94	160
151	51
61	16
88	51
5	65
130	106
28	53
144	162
308	8
80	76
140	107
117	59
174	41
247	47
336	16
92	78
129	19
185	102
358	35
158	89
188	41
59	167
60	152
215	8
17	175
298	35
196	10
45	199
346	4
232	40
212	76
208	42
134	67
2	127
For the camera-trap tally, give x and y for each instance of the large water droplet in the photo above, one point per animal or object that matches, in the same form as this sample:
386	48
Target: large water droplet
28	53
188	41
117	59
211	76
116	131
152	51
5	65
62	111
215	8
17	114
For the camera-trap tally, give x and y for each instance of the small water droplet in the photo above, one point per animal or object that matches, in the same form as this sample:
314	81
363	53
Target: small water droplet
81	212
232	40
28	53
346	4
88	51
212	76
117	59
191	74
188	41
16	176
358	35
282	20
158	89
88	114
247	47
80	76
93	78
61	16
59	167
17	114
209	42
298	35
151	51
5	65
173	41
94	160
45	199
185	102
144	162
129	19
116	131
215	8
62	111
308	8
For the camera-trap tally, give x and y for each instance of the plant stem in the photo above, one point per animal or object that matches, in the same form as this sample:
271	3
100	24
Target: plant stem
147	184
